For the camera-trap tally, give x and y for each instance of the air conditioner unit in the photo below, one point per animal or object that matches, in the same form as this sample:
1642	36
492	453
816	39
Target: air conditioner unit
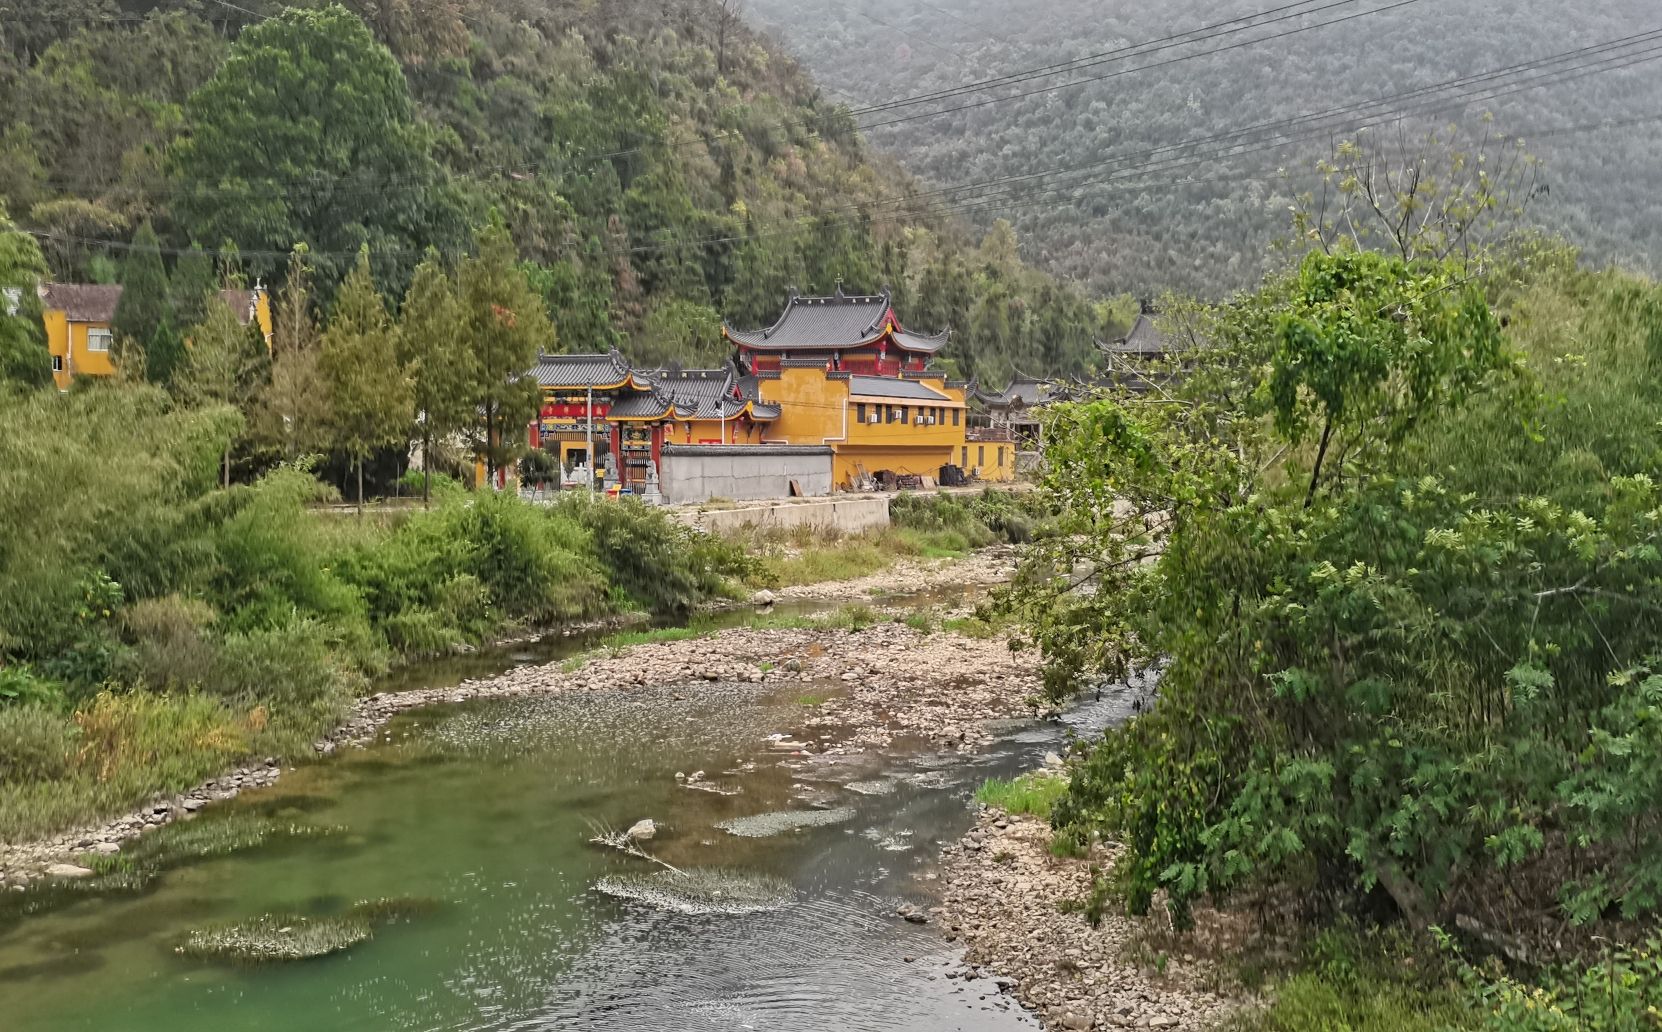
875	417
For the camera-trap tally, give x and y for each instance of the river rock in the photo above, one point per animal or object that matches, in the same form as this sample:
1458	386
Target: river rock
764	598
68	871
641	831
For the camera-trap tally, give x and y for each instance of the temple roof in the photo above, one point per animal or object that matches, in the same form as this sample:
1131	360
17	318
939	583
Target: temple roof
1145	338
608	370
689	394
1025	391
840	321
897	389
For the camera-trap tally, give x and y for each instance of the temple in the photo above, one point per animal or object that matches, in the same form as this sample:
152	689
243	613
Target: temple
835	395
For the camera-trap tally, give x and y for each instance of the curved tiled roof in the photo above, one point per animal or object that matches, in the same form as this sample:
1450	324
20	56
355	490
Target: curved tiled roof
840	321
581	370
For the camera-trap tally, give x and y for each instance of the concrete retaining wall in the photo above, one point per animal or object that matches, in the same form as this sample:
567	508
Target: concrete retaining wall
697	473
849	515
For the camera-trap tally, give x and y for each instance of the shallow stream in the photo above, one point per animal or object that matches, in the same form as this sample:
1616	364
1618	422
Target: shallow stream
486	808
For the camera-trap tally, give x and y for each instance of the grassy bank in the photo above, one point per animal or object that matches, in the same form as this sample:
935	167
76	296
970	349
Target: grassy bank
156	628
924	526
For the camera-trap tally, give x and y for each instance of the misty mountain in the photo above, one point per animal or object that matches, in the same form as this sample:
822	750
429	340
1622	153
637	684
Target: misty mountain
1206	227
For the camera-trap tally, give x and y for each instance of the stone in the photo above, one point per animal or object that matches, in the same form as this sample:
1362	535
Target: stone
641	831
1076	1021
764	598
1053	761
106	848
193	805
68	871
1163	1021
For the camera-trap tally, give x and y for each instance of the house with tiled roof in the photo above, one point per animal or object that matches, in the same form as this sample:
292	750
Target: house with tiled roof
79	318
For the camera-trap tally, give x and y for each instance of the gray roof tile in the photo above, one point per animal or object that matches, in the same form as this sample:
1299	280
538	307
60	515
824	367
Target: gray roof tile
580	370
901	390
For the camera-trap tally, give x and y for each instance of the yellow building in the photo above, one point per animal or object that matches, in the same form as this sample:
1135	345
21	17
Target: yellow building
78	320
844	373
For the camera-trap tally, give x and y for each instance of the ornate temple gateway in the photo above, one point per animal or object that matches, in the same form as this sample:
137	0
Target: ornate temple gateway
852	333
601	414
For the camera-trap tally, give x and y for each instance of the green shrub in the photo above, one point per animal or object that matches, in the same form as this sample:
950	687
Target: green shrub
1620	993
663	566
21	686
36	743
1034	793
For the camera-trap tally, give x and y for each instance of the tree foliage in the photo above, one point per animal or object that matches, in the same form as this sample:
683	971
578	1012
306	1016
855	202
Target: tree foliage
1174	181
436	357
650	161
146	334
370	404
505	324
24	361
1419	661
308	134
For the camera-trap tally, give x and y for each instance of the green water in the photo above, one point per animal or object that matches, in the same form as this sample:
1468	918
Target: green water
486	808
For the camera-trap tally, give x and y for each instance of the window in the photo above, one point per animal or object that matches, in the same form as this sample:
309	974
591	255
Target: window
888	413
904	414
57	363
980	455
860	412
1001	458
98	340
955	416
963	460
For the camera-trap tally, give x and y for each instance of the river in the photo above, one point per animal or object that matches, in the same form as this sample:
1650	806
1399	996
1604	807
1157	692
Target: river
486	808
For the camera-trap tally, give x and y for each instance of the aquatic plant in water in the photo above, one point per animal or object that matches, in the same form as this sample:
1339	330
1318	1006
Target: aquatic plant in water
210	837
276	938
701	890
766	825
389	909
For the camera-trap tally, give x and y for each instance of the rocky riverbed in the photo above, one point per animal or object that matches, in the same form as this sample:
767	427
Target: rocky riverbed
1000	898
861	689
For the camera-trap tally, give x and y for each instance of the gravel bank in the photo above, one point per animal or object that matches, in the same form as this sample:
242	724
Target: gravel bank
999	896
985	567
879	683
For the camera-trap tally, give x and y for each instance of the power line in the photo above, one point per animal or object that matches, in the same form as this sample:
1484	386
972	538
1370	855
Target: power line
908	205
917	204
1034	74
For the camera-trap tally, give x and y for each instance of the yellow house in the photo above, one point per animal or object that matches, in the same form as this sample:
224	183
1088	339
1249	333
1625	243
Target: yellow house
78	318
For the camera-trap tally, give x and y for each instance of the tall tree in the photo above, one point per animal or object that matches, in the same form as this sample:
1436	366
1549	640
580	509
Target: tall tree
370	400
221	367
507	325
194	284
441	368
292	416
24	361
307	133
143	322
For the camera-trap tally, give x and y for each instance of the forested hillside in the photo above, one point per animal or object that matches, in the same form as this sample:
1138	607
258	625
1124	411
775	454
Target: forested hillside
1204	227
658	165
